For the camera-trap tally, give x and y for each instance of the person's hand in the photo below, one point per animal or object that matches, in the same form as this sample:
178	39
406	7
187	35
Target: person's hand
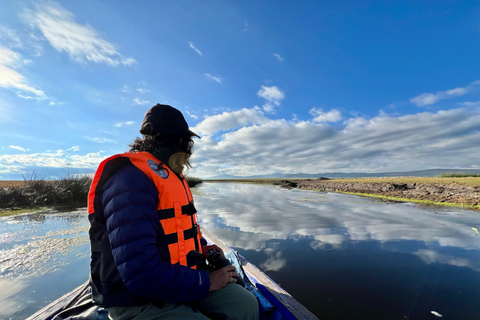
206	248
222	277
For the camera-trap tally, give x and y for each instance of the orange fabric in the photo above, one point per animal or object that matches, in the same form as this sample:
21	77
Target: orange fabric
173	193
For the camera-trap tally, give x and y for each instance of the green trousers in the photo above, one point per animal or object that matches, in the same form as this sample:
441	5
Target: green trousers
231	302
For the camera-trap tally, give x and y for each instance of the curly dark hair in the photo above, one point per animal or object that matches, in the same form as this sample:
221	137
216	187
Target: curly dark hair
163	146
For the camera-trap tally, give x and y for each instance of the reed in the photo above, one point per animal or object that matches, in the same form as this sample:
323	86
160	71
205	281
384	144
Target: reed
192	181
70	191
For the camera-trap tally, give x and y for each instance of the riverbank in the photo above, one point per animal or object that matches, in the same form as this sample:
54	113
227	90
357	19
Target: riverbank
454	191
20	196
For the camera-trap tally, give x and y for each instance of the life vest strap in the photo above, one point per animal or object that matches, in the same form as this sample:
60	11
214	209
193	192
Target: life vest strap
187	234
188	209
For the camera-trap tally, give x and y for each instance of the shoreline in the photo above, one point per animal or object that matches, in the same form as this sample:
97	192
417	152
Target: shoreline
463	192
458	192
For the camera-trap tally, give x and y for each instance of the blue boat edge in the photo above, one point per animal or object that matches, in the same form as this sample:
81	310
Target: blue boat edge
287	307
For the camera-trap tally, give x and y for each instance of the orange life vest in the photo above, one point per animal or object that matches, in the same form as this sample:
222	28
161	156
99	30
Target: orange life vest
176	212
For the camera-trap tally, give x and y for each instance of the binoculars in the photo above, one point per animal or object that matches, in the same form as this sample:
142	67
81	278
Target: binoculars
216	260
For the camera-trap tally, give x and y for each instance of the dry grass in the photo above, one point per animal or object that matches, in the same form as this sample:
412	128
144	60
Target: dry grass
12	183
467	181
69	191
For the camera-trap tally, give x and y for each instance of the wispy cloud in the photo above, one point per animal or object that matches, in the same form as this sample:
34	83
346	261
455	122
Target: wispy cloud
10	38
273	95
194	48
279	57
10	78
122	124
426	99
126	89
140	102
101	140
330	116
82	43
194	116
470	103
18	148
214	78
142	90
74	148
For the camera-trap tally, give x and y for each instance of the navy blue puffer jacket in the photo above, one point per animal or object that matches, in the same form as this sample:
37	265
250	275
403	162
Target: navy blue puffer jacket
129	200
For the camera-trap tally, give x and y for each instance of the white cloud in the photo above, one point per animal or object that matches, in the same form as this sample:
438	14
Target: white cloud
126	89
279	57
121	124
258	145
10	38
140	102
426	99
82	43
273	95
142	90
101	140
12	79
470	104
194	116
74	148
8	57
229	120
19	163
214	78
330	116
194	48
18	148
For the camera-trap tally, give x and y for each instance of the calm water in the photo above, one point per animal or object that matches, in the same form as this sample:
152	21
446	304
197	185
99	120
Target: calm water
343	257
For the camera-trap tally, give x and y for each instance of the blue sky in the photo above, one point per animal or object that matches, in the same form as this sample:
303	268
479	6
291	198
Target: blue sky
271	86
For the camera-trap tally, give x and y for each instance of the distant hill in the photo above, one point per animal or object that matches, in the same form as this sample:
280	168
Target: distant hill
418	173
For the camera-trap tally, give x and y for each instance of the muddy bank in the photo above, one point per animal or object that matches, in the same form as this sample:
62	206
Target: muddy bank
451	193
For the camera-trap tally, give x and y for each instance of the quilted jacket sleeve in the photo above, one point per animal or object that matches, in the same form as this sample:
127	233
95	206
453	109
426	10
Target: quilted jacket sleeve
130	200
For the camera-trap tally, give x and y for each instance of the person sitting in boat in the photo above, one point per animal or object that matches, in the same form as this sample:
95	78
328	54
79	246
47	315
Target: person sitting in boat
145	238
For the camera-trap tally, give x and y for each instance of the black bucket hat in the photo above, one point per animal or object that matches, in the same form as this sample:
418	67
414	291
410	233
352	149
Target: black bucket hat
162	119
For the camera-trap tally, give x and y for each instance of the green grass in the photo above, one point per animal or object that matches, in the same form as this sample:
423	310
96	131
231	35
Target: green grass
467	181
15	210
428	202
458	175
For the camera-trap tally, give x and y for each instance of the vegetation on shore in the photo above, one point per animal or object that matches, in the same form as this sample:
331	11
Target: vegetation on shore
72	191
425	202
455	189
35	193
467	180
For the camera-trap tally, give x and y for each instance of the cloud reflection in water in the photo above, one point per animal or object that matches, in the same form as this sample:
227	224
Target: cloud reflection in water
254	215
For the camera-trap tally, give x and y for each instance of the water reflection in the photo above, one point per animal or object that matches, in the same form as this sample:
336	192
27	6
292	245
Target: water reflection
349	257
9	299
43	255
344	257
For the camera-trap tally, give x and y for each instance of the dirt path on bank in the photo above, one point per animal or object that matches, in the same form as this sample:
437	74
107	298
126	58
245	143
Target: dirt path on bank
451	193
